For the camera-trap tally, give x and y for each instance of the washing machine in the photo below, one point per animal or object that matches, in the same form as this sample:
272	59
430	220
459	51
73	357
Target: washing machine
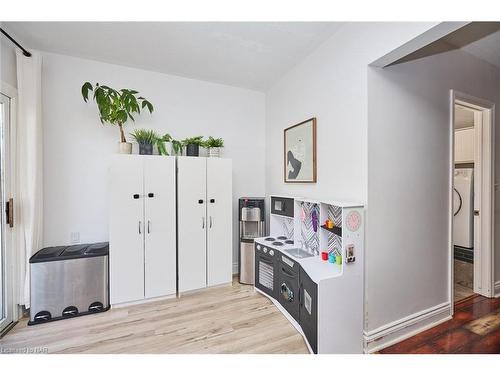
463	208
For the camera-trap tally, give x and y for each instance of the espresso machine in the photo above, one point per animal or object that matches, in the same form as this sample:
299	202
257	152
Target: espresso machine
252	225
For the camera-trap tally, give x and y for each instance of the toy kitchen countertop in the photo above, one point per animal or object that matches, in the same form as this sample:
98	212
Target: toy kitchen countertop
313	265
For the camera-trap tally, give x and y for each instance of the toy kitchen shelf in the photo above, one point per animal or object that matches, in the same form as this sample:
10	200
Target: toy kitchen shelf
335	230
322	300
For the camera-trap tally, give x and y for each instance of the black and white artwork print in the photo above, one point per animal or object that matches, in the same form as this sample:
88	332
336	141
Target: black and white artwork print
300	152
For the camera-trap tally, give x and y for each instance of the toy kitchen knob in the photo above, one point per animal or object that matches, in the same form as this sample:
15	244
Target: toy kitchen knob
271	252
286	292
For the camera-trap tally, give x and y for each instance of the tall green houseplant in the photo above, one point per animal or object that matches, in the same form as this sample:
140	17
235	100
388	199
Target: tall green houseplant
116	107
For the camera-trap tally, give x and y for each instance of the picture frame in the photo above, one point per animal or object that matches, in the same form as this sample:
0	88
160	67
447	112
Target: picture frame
299	152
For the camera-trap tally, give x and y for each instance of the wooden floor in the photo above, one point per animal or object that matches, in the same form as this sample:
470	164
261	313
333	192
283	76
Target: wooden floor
475	328
462	292
227	319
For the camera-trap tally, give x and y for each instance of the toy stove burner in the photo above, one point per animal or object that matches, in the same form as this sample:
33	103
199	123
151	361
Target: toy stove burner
282	238
289	242
270	239
277	243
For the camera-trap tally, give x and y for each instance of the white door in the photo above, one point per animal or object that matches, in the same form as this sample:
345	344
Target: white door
6	277
159	216
126	229
220	222
192	222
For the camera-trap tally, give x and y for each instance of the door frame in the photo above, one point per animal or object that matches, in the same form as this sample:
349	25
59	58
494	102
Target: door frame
485	148
11	258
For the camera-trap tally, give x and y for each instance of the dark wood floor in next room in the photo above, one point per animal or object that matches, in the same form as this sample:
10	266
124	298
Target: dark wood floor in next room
475	328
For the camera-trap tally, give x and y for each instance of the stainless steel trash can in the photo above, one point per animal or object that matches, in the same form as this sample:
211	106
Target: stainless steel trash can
68	281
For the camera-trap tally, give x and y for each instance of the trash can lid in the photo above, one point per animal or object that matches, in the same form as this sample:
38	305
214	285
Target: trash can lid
74	251
97	249
47	254
55	253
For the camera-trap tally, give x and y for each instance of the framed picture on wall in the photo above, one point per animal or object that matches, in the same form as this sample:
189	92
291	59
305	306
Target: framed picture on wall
300	152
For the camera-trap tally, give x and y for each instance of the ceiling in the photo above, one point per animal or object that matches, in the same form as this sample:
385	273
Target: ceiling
252	55
472	38
487	48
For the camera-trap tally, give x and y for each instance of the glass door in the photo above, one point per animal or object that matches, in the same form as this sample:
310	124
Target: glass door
6	280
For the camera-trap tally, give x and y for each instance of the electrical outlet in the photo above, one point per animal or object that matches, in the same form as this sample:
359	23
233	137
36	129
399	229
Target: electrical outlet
74	237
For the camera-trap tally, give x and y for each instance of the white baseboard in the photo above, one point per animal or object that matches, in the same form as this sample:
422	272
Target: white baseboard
497	289
235	268
399	330
141	301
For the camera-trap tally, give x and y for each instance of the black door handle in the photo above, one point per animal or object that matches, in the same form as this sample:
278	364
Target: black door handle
151	195
200	201
212	200
136	196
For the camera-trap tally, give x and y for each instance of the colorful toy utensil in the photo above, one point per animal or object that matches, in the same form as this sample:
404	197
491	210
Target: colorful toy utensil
302	214
314	219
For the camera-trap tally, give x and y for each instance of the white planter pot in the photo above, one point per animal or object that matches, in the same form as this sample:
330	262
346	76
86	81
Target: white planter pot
214	152
125	147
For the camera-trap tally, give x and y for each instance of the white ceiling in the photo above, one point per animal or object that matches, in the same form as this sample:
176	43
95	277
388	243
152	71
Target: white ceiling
487	48
253	55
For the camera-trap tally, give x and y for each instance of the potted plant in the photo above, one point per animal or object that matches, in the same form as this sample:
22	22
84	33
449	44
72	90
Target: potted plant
193	145
146	139
116	107
168	145
213	145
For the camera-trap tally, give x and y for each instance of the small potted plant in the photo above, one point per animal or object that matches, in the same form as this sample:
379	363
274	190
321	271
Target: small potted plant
193	145
176	147
116	108
213	145
146	139
168	145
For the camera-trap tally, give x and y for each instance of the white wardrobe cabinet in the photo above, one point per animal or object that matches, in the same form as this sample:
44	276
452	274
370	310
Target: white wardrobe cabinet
204	196
142	228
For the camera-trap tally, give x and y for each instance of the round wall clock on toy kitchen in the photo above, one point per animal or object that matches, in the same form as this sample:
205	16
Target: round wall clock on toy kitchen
353	221
300	152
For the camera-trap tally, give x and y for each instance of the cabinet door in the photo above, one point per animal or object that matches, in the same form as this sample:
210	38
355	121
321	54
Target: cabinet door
192	222
159	217
220	221
309	309
126	229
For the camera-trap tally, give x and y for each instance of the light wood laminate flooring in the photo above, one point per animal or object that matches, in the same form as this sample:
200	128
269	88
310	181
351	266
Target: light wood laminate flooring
225	319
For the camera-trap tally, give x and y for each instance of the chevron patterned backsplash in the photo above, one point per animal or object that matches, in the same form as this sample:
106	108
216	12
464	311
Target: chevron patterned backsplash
287	225
334	241
307	232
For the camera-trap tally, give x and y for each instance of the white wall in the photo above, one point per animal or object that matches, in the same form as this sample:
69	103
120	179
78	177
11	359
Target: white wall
331	85
77	148
407	257
7	63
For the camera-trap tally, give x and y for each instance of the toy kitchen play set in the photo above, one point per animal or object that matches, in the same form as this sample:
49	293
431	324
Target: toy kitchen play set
311	267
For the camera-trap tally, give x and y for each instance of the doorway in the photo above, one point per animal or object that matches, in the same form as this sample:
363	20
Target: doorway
472	197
